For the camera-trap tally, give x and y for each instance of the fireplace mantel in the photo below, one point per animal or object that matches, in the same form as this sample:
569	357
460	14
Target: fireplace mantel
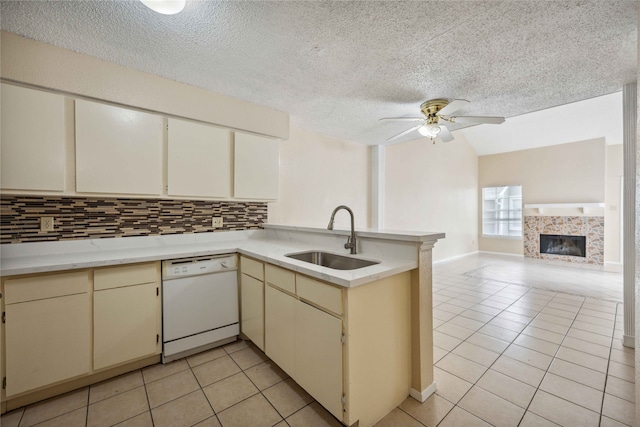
554	207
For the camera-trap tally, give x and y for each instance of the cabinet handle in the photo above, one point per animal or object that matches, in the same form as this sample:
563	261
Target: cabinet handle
157	338
4	317
157	291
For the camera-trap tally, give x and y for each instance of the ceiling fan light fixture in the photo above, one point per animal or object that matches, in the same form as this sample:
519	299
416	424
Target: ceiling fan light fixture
165	7
430	131
435	110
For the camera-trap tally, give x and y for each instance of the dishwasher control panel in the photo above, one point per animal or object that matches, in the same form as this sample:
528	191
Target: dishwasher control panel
200	265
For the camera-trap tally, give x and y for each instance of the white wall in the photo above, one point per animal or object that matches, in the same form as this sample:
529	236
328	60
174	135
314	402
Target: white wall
318	173
434	187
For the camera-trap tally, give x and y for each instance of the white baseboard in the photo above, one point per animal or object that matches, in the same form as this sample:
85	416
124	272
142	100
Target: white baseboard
502	253
423	395
457	257
453	258
628	341
612	267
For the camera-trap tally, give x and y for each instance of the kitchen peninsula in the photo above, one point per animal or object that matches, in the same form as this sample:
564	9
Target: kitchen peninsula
383	310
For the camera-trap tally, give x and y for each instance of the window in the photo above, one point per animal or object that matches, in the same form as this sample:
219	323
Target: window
502	211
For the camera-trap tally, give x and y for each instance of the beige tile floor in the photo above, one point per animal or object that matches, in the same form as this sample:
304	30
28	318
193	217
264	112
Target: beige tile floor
516	344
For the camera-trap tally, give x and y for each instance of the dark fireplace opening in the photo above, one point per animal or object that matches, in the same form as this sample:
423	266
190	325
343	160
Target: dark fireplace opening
563	245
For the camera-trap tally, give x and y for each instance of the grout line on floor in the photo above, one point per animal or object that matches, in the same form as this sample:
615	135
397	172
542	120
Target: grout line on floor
511	342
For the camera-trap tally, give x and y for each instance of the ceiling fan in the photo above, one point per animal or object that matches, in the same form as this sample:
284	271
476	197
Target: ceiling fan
436	113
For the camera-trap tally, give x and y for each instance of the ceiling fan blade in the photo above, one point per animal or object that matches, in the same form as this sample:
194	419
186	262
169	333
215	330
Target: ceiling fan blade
478	119
403	133
445	135
402	119
453	106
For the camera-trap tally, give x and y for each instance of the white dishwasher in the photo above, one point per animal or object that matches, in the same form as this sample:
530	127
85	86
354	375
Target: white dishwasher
199	304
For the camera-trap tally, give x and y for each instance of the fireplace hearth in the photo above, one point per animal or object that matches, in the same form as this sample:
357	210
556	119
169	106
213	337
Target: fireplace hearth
555	244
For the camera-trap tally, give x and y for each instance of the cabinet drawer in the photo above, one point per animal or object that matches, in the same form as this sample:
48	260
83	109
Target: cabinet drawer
325	296
252	268
126	275
280	278
48	286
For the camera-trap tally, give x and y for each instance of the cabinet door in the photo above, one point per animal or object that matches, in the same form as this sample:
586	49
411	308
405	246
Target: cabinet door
279	333
252	309
318	358
199	160
32	149
47	341
125	324
257	167
118	150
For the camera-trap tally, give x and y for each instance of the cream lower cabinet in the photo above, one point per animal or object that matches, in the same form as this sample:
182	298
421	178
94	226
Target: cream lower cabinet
349	348
47	330
280	321
304	340
252	300
126	310
62	328
318	356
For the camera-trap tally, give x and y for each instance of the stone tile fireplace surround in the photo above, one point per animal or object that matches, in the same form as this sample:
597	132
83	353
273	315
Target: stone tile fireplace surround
592	227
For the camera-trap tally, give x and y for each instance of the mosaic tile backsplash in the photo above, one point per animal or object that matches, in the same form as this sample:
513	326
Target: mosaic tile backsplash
95	217
590	226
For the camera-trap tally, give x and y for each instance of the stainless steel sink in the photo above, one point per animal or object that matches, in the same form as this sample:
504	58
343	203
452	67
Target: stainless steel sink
327	259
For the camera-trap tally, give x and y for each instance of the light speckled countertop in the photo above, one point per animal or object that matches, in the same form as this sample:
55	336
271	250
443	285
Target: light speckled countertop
270	245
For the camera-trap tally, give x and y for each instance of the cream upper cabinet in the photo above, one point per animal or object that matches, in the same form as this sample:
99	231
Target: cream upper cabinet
121	151
47	331
118	151
199	160
126	313
256	167
32	150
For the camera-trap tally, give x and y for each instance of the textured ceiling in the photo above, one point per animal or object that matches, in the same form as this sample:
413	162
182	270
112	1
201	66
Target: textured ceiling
337	67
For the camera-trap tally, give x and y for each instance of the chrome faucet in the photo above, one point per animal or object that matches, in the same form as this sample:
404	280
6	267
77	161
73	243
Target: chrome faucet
351	241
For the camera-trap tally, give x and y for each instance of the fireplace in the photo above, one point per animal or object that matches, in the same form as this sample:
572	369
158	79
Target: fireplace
555	244
589	229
